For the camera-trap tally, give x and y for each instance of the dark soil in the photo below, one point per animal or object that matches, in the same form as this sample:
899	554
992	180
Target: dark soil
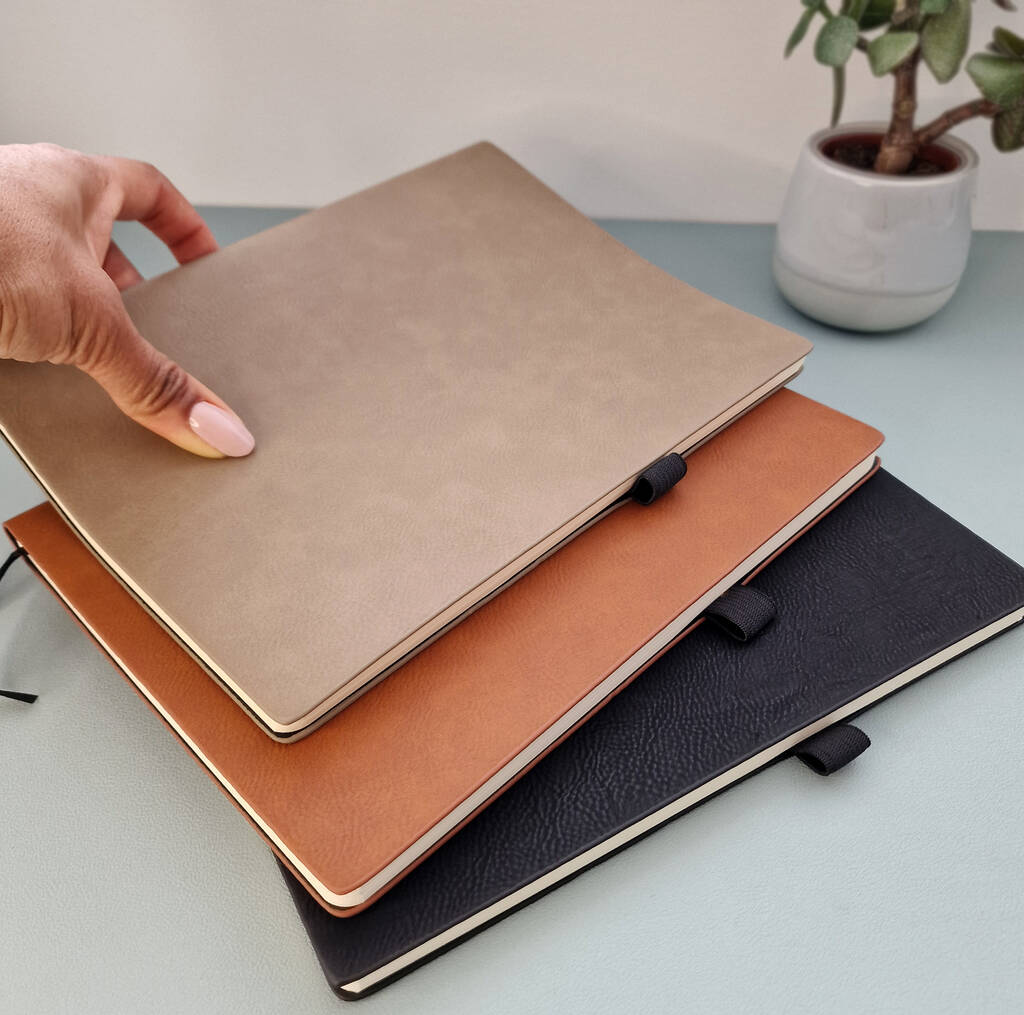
859	151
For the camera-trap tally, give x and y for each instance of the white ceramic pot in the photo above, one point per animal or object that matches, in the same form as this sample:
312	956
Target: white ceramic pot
870	252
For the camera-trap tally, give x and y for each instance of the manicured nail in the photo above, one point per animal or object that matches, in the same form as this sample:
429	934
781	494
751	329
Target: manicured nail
221	429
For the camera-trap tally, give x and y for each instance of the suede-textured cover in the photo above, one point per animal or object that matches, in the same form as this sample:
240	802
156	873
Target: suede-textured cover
446	375
352	797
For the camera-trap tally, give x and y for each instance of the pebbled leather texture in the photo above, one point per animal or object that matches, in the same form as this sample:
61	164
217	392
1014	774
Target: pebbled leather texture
883	582
352	796
442	372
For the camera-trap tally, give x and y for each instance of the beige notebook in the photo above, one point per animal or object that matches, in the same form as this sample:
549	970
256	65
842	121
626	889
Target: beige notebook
447	375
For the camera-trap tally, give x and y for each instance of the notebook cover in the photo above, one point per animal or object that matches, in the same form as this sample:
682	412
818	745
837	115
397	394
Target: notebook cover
358	803
882	584
446	375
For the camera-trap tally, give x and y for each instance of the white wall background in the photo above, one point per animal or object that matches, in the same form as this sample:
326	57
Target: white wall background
680	109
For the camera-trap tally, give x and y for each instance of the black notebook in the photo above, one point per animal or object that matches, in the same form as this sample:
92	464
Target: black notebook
882	591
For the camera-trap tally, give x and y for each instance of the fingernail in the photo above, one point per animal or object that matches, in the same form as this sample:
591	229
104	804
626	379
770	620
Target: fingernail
221	429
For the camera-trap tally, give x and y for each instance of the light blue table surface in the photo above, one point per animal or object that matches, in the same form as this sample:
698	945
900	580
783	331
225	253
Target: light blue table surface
129	884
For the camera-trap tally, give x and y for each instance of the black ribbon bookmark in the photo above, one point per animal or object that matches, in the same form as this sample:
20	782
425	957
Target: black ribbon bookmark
6	565
4	568
658	479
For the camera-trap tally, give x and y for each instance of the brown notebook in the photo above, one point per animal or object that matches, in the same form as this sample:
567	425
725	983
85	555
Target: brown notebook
356	805
447	375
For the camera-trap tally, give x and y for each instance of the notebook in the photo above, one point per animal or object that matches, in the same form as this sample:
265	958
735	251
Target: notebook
355	806
881	592
448	375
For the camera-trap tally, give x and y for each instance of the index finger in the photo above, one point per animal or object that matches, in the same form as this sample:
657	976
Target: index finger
150	198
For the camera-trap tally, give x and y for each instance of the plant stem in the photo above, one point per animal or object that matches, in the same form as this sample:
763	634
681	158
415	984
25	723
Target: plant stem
949	119
903	13
899	146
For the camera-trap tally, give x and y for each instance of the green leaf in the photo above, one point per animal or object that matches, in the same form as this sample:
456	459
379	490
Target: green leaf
877	13
944	39
799	31
854	9
836	41
838	93
890	50
1005	42
999	78
934	6
1008	129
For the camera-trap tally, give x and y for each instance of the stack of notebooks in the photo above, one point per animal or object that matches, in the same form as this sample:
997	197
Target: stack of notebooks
535	552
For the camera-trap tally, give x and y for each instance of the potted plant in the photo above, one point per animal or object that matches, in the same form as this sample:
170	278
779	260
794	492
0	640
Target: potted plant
876	224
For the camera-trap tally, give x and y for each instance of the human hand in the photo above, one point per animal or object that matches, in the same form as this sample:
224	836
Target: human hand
61	276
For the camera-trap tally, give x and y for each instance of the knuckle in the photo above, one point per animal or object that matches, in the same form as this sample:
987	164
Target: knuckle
93	174
62	158
96	169
91	337
150	176
165	385
94	323
57	176
49	150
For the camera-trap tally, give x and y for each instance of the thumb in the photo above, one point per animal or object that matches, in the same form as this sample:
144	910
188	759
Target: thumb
152	389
